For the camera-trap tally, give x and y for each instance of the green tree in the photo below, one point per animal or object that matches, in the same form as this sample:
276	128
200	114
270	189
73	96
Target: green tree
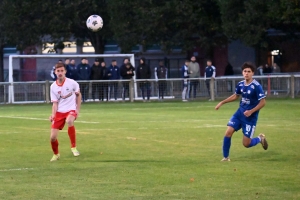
54	20
251	21
168	23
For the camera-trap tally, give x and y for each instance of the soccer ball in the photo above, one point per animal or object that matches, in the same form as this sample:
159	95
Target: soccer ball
94	23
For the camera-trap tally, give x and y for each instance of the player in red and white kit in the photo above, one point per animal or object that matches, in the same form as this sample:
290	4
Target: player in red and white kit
66	99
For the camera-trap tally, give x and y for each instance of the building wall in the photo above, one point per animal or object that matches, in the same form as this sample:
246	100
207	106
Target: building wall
238	53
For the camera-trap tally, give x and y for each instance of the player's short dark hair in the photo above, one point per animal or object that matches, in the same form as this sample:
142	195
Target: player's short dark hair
59	65
187	60
248	65
67	59
209	61
83	58
113	61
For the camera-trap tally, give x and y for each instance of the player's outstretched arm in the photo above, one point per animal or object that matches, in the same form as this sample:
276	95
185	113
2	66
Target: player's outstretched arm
259	106
229	99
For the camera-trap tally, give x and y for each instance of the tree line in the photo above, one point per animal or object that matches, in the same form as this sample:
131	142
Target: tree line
168	23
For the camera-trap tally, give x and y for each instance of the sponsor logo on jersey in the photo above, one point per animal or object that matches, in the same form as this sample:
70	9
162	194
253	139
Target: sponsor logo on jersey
231	123
66	96
245	101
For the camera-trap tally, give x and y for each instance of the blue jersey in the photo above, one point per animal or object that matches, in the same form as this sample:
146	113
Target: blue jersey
251	96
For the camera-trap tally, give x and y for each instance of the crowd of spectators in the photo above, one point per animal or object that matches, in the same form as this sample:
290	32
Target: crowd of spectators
267	69
99	72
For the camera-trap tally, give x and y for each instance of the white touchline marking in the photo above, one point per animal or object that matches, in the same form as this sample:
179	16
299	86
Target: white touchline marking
18	169
33	118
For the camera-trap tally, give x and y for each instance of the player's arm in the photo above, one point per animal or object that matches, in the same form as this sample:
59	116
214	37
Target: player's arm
78	102
229	99
54	110
260	105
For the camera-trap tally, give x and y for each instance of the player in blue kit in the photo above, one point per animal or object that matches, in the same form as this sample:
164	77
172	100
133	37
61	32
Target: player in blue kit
253	99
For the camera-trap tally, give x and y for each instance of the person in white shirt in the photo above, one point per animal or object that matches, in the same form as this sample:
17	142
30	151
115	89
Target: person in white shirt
66	99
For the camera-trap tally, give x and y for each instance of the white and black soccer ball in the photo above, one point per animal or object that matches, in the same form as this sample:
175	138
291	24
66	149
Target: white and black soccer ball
94	23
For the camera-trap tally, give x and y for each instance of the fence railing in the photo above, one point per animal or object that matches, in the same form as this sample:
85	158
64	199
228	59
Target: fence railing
132	90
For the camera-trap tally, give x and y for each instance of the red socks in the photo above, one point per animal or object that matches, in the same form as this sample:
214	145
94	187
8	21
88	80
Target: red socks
71	132
55	146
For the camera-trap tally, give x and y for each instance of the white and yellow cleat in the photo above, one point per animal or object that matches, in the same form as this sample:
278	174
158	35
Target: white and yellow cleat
75	152
263	141
55	157
225	159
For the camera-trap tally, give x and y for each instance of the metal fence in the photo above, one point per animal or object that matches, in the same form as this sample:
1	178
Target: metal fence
275	86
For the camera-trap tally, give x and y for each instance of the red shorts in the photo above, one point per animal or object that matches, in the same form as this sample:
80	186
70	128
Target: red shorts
60	119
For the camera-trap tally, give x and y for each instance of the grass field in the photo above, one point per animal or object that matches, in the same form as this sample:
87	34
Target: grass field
169	150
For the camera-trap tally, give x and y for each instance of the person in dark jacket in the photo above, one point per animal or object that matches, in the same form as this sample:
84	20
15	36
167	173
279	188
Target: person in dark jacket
144	72
71	70
125	61
83	74
114	74
96	75
103	85
161	73
228	70
52	72
127	73
267	69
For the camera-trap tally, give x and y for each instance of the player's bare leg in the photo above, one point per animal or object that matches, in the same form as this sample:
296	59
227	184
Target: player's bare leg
227	143
250	142
54	144
246	141
72	134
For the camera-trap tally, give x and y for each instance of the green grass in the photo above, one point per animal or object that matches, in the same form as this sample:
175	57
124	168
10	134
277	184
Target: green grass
149	151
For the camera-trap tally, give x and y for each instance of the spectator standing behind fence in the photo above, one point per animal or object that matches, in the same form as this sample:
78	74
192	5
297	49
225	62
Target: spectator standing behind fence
127	73
96	75
194	70
276	68
125	61
161	73
144	72
267	69
67	62
84	74
210	73
260	70
71	70
104	85
52	72
228	70
114	74
185	75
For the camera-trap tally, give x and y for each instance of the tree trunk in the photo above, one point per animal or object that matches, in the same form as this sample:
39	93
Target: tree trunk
97	42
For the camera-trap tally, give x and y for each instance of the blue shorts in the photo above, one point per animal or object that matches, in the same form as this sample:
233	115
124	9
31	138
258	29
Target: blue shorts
248	128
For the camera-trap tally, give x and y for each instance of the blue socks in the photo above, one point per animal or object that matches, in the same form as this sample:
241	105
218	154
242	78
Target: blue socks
254	141
226	146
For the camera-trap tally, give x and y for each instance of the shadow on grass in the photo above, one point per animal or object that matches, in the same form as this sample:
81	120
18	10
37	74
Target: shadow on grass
269	155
